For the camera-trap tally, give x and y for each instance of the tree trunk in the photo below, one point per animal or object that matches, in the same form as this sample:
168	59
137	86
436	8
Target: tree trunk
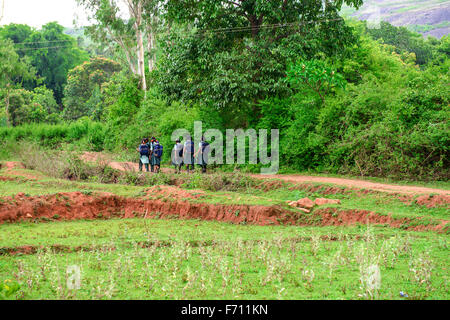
141	59
255	24
135	9
150	47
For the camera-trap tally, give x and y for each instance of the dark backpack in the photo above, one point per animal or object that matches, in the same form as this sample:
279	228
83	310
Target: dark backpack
144	149
158	149
190	146
204	145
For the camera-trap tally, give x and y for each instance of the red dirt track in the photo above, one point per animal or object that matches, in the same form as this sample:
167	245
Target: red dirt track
354	183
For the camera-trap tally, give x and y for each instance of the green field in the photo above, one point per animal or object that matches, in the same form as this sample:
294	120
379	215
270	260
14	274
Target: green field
170	259
194	259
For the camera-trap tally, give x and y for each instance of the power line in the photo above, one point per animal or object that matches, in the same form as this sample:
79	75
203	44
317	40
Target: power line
241	29
198	32
48	41
26	49
276	25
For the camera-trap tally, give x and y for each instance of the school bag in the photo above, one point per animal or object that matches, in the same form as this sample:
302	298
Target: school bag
189	146
180	150
144	149
204	145
158	150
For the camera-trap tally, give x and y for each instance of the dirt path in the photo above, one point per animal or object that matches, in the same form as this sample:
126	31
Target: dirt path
352	183
356	183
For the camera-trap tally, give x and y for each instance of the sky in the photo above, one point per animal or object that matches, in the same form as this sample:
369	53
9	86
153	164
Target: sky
36	13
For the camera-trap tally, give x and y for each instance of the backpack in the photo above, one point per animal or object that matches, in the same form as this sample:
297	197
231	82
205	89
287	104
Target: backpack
189	146
180	151
144	149
204	145
158	150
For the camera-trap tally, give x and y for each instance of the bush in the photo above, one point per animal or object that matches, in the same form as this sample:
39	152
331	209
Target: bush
65	164
87	135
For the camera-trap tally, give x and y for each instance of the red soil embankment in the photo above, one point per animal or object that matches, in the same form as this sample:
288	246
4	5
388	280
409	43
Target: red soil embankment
71	206
76	205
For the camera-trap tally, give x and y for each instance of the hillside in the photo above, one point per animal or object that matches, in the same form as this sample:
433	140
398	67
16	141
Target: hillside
429	17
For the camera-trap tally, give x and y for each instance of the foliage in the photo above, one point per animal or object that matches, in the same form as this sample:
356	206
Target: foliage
243	59
8	288
49	50
32	106
347	99
85	134
404	41
316	76
82	96
13	71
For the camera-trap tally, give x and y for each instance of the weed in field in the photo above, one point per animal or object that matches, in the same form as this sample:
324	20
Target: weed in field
421	268
315	244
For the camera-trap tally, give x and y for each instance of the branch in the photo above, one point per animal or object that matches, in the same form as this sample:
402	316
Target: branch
241	12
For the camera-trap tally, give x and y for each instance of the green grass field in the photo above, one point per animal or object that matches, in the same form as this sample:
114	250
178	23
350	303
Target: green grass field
194	259
171	259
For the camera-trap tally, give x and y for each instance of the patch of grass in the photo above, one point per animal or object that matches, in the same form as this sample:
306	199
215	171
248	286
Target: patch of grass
173	259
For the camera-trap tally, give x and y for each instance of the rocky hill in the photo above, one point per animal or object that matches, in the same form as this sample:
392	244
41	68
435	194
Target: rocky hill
429	17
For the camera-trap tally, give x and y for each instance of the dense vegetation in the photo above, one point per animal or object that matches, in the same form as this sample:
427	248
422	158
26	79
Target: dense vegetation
346	98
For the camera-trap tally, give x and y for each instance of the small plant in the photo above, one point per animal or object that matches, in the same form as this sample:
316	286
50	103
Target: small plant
370	280
8	288
308	276
421	269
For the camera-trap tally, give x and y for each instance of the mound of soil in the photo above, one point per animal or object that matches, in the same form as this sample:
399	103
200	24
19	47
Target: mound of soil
337	217
13	165
430	201
173	192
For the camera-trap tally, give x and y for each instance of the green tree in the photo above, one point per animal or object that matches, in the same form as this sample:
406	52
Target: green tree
83	84
233	54
53	54
32	106
134	38
316	76
13	71
404	41
18	33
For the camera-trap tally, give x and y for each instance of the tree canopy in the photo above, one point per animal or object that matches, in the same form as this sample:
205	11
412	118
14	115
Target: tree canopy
236	52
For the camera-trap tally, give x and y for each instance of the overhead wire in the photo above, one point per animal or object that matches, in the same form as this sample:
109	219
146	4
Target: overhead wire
198	33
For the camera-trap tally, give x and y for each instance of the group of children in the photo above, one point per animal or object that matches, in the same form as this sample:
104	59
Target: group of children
151	153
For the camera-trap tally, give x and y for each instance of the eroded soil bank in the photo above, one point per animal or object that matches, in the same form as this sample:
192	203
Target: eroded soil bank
77	205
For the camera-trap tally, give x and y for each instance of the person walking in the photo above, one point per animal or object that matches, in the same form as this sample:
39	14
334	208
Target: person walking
177	156
157	152
188	153
144	151
202	154
152	157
